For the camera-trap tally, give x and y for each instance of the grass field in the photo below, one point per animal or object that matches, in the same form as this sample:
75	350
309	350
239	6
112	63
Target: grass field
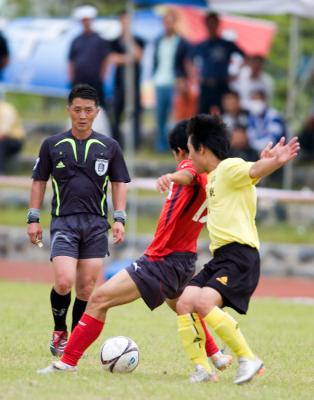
280	332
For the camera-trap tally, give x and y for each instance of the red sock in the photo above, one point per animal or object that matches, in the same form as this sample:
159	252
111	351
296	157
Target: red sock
210	345
85	333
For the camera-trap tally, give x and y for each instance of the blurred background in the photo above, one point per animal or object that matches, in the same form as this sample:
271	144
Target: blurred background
268	93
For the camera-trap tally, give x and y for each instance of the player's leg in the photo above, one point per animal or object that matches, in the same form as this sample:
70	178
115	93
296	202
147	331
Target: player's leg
226	327
221	361
192	334
64	270
120	289
232	278
88	271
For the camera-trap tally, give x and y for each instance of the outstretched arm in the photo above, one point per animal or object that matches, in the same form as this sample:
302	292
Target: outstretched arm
183	177
273	158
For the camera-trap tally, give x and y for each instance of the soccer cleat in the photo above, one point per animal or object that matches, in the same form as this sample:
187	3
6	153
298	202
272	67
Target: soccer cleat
57	366
201	375
58	342
248	369
221	361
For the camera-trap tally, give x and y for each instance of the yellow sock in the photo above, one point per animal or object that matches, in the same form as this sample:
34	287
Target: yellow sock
193	339
227	329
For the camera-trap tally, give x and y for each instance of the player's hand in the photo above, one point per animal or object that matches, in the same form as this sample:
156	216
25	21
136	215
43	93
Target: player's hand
163	183
35	232
281	151
118	232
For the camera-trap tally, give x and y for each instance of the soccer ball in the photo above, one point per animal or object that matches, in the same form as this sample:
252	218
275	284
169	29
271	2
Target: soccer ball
119	354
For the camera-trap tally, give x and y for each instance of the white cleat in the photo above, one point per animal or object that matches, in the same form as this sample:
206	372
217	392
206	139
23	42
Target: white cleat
248	369
201	375
221	361
57	366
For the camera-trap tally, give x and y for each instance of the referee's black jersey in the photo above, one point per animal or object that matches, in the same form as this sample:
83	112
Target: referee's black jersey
80	171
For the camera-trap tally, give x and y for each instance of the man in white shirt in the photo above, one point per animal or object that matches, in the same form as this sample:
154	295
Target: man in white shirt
252	78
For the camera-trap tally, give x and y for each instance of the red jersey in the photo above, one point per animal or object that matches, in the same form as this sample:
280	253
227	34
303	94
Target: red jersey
182	217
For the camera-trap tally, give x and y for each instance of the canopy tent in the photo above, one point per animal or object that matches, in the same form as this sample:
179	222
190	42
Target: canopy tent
302	8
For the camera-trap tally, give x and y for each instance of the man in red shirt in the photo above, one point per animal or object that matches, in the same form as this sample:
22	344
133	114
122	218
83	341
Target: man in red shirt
166	267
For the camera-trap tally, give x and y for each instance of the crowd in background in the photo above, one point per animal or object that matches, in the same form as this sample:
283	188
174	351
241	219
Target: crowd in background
187	79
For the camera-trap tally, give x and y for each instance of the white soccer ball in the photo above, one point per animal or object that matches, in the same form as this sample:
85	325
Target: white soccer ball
119	354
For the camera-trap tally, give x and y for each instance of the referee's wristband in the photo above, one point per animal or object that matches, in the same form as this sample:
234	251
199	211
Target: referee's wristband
33	215
119	216
119	220
32	221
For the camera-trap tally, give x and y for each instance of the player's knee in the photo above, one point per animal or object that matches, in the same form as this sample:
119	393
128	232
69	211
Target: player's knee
204	306
63	286
100	300
84	292
184	305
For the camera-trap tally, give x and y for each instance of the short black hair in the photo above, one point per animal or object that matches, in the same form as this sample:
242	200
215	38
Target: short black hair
211	15
211	132
233	93
83	91
178	136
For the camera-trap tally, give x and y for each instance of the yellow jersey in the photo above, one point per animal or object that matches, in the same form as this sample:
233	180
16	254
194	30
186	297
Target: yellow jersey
231	202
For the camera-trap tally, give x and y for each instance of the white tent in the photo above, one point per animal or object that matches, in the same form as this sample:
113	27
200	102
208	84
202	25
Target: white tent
301	8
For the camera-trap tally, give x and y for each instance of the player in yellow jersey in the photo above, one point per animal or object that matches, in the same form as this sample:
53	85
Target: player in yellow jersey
231	277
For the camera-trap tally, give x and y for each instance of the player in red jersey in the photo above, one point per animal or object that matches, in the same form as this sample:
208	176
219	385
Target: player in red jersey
166	267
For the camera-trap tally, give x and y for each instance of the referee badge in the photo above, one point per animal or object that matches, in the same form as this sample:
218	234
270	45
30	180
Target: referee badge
101	166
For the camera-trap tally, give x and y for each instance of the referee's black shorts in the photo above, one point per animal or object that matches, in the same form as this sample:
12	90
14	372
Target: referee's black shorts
234	272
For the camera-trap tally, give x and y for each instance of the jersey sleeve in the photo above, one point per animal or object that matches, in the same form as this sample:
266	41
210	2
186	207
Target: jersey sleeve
117	169
43	166
187	165
237	172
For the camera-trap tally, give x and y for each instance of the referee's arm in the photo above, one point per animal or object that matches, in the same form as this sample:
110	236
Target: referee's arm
118	192
34	229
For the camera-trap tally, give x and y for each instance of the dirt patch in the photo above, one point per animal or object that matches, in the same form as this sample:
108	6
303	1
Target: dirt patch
268	286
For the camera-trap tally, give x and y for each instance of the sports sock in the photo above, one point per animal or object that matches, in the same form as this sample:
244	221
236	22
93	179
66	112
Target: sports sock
210	344
227	329
193	339
85	333
77	311
59	306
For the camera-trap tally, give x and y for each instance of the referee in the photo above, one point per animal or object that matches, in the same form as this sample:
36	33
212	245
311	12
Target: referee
80	163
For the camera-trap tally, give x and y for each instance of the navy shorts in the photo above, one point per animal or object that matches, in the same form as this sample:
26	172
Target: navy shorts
162	278
80	236
234	272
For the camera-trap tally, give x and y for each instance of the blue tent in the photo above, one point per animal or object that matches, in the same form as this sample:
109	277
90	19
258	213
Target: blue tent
39	49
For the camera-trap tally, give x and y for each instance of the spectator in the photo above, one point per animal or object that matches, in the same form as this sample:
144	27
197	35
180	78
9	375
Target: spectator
233	114
251	78
265	124
306	140
88	54
239	145
212	57
11	134
120	58
4	54
171	52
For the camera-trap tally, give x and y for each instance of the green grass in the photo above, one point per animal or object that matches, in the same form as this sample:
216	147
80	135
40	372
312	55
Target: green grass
281	333
146	224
